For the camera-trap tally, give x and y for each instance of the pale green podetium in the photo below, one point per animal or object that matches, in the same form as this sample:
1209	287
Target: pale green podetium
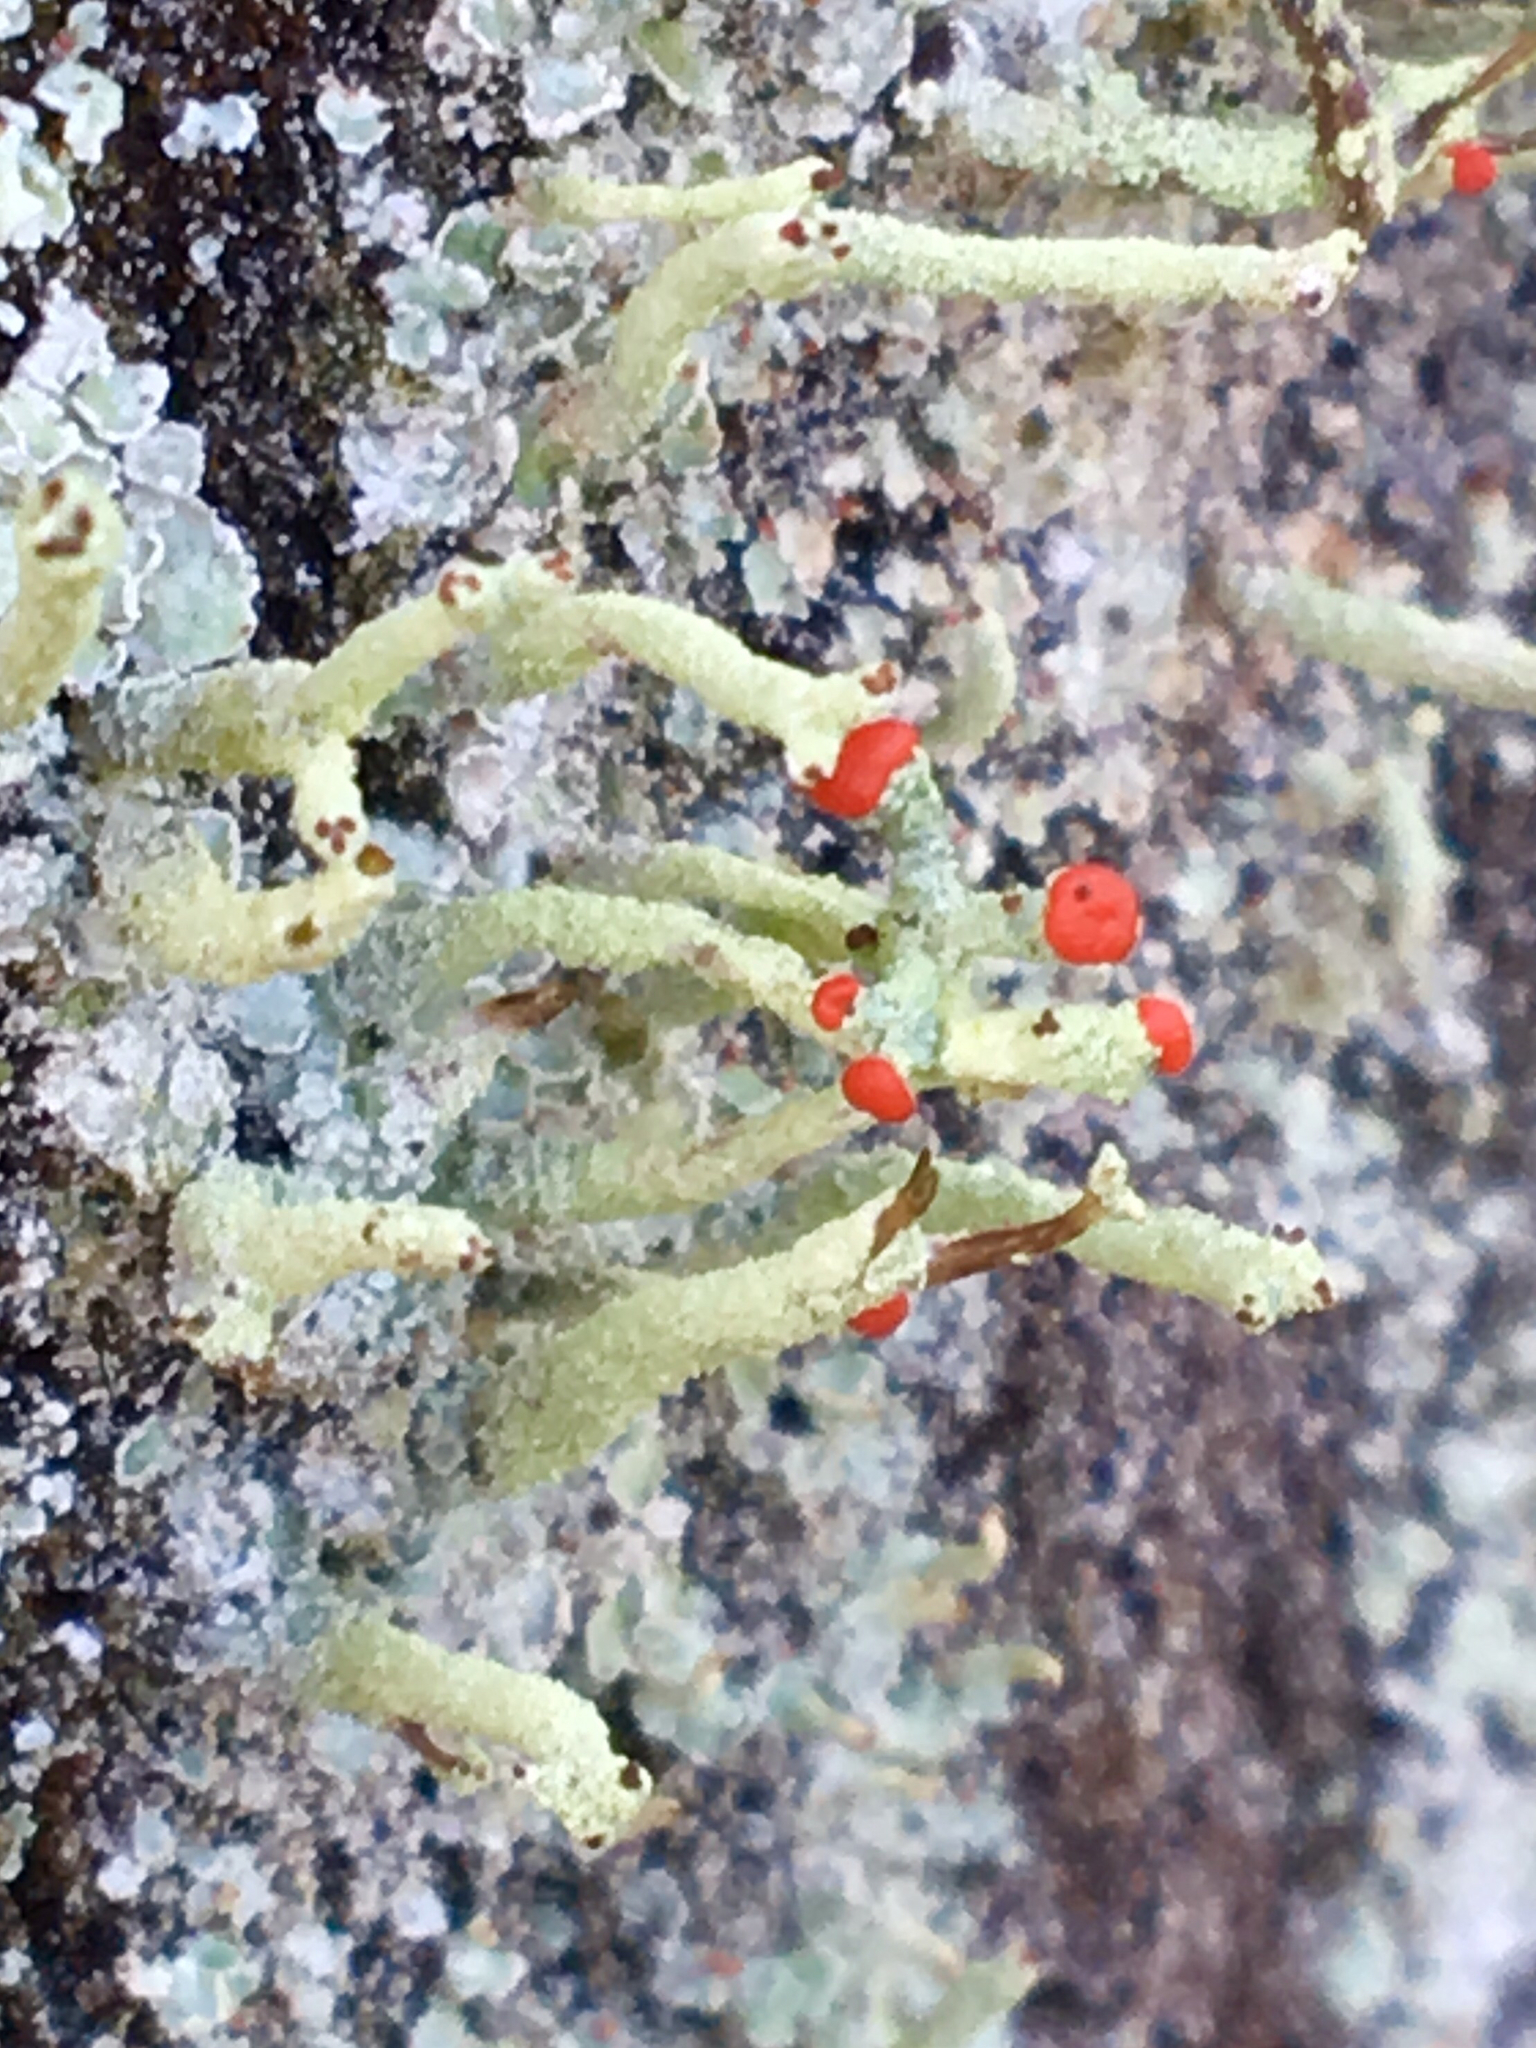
69	538
194	922
240	1253
1089	1048
387	1676
1477	660
590	1381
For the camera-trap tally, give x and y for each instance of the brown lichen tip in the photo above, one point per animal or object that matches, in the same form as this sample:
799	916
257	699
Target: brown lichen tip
881	680
61	546
476	1255
454	585
302	934
374	862
827	179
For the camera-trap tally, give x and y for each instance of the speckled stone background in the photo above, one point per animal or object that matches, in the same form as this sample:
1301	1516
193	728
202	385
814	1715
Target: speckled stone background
1286	1792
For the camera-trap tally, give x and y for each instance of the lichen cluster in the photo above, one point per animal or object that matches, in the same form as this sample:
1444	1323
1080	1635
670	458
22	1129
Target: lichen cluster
536	1268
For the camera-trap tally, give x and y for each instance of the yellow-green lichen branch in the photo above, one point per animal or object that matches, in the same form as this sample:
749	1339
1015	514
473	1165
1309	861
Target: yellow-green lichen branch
983	682
68	537
589	201
781	257
691	290
241	1252
1259	1280
1130	272
590	1381
185	916
812	913
584	928
267	717
654	1168
545	633
390	1677
264	717
1408	645
1097	129
1087	1048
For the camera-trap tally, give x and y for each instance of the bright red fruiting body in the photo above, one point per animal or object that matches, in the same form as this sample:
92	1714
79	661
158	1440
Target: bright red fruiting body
832	1004
1473	167
879	1088
1165	1023
869	756
1092	915
882	1317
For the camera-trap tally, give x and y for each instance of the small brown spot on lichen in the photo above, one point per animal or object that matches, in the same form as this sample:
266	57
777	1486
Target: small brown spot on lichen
1013	902
81	526
794	232
827	179
454	585
374	862
302	934
428	1749
860	937
1046	1025
1323	1292
881	680
53	493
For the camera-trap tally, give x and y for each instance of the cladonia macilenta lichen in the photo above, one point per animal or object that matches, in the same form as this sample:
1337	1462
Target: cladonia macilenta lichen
544	1141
